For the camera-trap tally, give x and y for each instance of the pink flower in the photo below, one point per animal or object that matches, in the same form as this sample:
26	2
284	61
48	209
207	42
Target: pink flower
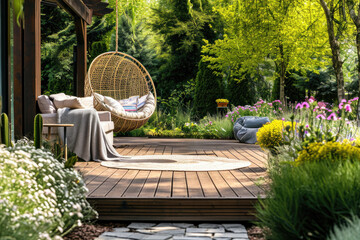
341	105
226	115
348	108
311	99
320	116
298	106
307	126
332	116
322	105
210	122
280	109
344	100
355	99
283	119
270	104
305	104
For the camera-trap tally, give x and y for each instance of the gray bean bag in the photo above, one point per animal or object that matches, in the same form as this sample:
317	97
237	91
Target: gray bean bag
245	128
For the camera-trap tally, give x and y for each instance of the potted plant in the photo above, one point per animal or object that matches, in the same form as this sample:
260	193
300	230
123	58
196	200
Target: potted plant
222	102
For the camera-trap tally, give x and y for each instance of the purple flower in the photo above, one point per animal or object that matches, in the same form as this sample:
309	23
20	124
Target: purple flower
348	108
305	104
311	99
332	116
341	105
320	116
283	119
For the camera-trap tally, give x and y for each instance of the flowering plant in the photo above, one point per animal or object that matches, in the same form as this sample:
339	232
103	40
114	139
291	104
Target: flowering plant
220	100
39	197
271	134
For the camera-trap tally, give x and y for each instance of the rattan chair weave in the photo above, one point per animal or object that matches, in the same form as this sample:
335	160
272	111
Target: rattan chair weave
120	76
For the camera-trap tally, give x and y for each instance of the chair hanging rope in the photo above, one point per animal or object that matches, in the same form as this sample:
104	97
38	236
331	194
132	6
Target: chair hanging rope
120	76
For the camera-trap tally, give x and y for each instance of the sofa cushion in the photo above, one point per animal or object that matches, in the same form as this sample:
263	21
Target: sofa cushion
104	115
71	102
46	105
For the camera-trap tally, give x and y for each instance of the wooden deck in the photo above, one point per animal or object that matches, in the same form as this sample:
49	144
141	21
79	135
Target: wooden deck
130	195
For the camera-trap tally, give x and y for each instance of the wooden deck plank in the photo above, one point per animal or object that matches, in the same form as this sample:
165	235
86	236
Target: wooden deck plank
109	183
128	195
207	185
165	184
221	185
93	174
246	182
193	185
136	185
97	181
151	184
179	185
122	185
235	185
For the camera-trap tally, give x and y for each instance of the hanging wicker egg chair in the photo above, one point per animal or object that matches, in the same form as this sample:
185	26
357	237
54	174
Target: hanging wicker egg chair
120	76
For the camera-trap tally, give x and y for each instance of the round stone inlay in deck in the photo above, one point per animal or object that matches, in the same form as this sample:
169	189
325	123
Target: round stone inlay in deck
177	163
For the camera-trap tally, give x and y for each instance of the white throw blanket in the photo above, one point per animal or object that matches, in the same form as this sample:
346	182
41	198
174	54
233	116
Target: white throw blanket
86	139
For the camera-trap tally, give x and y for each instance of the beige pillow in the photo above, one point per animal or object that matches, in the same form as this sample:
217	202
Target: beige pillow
45	104
99	97
71	102
114	104
87	102
59	96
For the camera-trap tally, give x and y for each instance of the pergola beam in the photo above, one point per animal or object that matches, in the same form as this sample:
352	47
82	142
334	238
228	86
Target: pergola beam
77	8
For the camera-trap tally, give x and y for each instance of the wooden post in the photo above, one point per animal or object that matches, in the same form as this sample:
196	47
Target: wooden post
81	67
32	63
18	80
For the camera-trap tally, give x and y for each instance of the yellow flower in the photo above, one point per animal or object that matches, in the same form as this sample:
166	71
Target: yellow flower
271	134
222	100
329	151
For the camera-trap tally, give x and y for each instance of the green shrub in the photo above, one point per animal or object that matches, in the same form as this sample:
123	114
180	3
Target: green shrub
349	231
39	197
306	201
208	88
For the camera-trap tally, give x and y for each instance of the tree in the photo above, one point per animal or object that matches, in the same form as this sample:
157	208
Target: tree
133	40
208	88
181	27
288	32
354	11
330	13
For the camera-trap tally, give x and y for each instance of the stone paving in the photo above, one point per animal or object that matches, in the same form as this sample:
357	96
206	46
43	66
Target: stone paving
177	231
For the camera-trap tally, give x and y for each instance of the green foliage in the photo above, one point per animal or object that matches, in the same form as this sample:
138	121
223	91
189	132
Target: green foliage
57	45
293	91
257	33
5	132
208	88
305	202
348	231
135	41
182	26
38	127
96	49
